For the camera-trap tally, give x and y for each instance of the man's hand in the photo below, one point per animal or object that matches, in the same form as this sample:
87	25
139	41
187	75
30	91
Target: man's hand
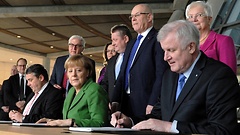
5	109
154	124
57	86
15	116
20	104
120	120
149	109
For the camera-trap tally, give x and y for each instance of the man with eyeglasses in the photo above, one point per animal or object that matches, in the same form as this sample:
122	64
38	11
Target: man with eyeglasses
17	90
138	85
59	80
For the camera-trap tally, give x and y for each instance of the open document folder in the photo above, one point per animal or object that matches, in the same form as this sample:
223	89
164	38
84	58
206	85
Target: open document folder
99	129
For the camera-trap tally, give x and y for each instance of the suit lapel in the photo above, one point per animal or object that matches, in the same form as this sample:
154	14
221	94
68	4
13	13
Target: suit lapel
144	44
192	80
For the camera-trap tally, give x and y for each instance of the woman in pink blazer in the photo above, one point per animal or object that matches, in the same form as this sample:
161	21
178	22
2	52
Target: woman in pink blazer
214	45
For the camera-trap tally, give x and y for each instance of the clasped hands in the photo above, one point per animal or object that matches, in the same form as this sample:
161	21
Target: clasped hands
52	122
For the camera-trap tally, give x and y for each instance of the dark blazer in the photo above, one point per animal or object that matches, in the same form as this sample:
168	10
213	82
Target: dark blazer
59	70
108	82
48	105
12	93
207	103
3	115
145	76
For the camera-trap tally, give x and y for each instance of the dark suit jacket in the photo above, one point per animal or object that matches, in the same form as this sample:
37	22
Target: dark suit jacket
145	75
207	103
3	115
12	93
108	82
49	105
59	70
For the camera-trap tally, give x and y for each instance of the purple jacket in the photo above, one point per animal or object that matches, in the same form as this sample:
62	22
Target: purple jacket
220	47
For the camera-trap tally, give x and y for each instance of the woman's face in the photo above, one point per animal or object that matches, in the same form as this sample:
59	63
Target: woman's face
77	76
196	14
110	51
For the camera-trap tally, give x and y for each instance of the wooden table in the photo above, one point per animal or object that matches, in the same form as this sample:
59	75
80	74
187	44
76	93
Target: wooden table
8	129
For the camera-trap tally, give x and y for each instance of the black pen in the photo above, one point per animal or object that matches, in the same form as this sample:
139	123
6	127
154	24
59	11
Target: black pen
119	116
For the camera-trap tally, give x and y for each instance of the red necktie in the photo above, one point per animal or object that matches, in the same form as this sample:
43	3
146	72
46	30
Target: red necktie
65	79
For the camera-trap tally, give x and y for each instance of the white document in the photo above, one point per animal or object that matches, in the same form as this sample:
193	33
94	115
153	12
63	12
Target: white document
99	129
30	124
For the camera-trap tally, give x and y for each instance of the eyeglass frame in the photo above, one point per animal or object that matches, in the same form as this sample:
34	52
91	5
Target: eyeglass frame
137	14
201	15
77	45
112	51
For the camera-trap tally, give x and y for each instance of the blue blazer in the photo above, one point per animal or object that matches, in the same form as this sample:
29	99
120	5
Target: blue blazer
145	76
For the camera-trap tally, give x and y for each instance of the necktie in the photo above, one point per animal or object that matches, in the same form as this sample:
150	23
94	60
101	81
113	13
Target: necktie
65	79
29	105
130	60
22	88
118	65
181	82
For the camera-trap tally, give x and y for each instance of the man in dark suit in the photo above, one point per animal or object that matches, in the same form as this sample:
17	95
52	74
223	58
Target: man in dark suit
137	89
16	95
45	101
4	108
207	102
76	45
120	35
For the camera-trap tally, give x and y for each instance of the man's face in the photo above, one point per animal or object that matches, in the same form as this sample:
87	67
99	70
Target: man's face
178	59
34	83
119	42
75	46
21	66
140	19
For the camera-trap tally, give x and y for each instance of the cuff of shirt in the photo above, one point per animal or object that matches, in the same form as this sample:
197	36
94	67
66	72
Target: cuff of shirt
174	127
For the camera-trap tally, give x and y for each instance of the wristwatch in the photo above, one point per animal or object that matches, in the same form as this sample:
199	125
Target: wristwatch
73	123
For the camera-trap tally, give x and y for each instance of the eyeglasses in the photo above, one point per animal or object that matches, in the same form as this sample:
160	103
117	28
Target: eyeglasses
136	15
21	65
198	15
77	45
112	51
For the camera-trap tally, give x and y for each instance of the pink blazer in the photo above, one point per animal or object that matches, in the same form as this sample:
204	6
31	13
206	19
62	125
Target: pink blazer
220	47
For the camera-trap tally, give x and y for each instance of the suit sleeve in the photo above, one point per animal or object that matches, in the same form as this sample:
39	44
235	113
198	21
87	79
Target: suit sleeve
9	94
53	78
221	104
94	71
160	67
227	52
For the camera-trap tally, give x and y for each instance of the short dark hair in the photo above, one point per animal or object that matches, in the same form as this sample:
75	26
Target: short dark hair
37	70
123	30
21	59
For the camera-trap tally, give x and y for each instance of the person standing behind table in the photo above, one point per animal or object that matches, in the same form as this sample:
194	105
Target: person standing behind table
59	80
214	45
16	95
205	104
140	88
120	35
4	107
45	101
86	105
108	53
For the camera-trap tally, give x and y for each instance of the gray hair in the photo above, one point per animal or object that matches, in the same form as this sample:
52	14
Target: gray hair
185	31
207	8
80	38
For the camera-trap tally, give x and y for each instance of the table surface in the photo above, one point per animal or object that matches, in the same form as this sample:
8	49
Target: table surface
8	129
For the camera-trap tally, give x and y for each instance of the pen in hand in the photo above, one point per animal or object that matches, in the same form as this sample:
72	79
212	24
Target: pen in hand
119	116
